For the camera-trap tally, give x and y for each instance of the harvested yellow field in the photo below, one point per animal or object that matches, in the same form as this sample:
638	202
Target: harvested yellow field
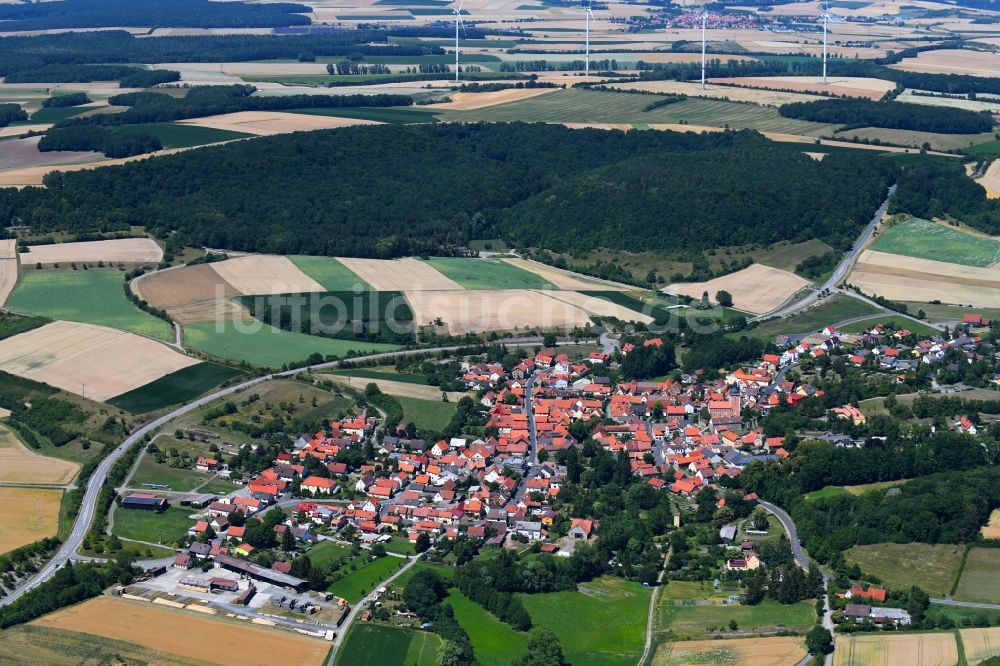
34	175
182	286
402	389
775	651
20	465
991	530
97	362
127	250
909	278
980	644
8	268
29	514
18	130
599	307
991	180
399	274
851	86
266	123
265	274
886	649
761	96
937	99
186	634
477	310
953	61
467	101
756	288
560	278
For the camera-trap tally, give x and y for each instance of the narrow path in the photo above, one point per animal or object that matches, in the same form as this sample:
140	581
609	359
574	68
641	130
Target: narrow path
652	611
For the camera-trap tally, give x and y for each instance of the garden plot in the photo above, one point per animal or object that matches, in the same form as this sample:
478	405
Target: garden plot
266	123
94	361
265	274
757	288
123	250
408	275
494	310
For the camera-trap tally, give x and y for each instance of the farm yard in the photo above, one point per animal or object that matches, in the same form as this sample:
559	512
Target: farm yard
900	566
91	296
122	250
927	240
94	361
21	465
979	581
757	288
888	649
773	651
29	514
185	635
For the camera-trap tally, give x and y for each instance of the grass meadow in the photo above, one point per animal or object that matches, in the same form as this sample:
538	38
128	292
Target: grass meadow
495	643
167	527
356	584
691	622
427	414
183	480
333	275
932	567
979	581
487	274
927	240
175	388
91	297
269	346
381	645
890	320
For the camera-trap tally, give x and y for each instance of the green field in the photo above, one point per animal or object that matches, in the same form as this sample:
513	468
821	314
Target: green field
979	581
899	566
896	322
219	487
173	135
92	296
443	572
656	307
487	274
690	622
183	480
55	114
365	373
175	388
832	310
381	645
327	552
579	105
268	346
329	272
927	240
496	643
340	314
604	623
427	414
166	528
394	115
357	584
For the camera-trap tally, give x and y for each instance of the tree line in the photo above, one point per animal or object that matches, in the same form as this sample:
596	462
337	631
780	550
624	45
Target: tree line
936	189
61	101
113	142
854	113
11	113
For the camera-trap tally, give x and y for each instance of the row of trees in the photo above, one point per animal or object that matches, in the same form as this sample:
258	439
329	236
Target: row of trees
113	142
893	115
934	190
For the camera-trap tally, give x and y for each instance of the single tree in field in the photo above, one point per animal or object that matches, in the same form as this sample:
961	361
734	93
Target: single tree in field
819	640
704	305
543	650
724	298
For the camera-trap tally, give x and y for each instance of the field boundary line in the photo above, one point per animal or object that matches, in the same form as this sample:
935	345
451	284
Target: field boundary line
961	570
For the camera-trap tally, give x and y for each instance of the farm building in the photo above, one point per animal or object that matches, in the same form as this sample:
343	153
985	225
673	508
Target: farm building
144	502
260	573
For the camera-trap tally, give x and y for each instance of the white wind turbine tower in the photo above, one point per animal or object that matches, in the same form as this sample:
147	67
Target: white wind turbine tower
589	15
826	22
458	22
704	27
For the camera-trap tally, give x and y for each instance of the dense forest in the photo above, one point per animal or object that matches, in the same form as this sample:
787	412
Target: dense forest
127	77
112	142
62	101
10	113
933	190
200	101
150	14
892	115
438	186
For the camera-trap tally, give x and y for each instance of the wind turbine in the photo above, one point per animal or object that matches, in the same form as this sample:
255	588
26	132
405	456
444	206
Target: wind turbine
589	14
826	22
704	27
458	22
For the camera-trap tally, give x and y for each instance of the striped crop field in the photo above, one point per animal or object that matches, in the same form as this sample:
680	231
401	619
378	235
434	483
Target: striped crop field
594	106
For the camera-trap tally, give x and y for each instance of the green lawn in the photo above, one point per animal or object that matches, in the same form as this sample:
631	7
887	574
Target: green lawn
427	414
329	272
980	581
381	645
268	346
357	584
184	480
604	623
166	528
219	487
175	388
496	643
327	552
890	320
173	135
690	622
92	296
899	566
927	240
487	274
401	545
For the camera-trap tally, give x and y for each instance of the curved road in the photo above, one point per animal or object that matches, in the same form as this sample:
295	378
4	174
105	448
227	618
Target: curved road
81	525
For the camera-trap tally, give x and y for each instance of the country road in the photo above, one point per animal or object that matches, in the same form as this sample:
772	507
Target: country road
86	515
